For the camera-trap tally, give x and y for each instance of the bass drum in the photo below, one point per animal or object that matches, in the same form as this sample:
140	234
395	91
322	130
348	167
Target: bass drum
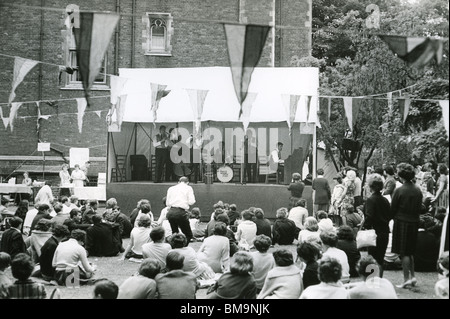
224	174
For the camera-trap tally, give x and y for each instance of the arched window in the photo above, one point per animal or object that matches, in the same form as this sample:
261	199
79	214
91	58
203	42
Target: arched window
157	40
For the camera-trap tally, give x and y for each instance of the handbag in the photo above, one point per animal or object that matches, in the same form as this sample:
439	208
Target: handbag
366	238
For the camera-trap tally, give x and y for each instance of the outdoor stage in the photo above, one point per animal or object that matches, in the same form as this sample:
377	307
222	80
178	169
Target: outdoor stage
266	196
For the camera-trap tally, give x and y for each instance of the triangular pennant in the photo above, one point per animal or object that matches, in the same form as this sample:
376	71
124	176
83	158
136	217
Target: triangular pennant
13	113
81	107
117	86
92	40
21	68
99	113
245	44
157	94
290	102
403	105
351	107
247	109
197	100
389	99
5	122
444	107
416	51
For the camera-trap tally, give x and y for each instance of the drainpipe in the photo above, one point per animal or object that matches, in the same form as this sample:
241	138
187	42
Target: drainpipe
41	57
133	32
116	49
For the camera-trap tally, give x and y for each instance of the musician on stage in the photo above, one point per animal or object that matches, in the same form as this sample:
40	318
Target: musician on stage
250	159
162	155
276	164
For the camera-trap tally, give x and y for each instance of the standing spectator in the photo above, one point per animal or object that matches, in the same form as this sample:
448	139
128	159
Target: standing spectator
389	182
262	260
427	249
60	232
441	287
246	231
91	210
139	236
45	194
347	243
5	281
263	225
406	207
296	188
162	155
176	283
311	231
377	214
143	285
358	190
215	250
179	198
24	288
77	176
85	170
284	229
298	215
329	242
157	249
284	281
105	289
100	239
321	192
38	238
64	177
191	263
330	287
372	286
336	200
441	198
309	254
12	241
70	256
238	283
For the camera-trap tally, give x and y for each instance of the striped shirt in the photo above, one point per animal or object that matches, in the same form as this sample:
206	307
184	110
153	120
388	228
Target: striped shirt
27	289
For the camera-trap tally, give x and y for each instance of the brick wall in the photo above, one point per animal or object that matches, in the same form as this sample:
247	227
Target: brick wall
194	44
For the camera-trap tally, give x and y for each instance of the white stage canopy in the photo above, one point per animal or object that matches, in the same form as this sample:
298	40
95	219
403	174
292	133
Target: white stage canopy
221	104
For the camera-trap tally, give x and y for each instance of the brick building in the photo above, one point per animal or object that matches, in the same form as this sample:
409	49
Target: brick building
150	34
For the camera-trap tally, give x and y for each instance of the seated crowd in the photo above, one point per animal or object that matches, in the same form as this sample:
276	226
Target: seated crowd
233	255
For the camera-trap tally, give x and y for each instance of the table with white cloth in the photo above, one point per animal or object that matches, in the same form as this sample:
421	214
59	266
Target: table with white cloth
17	189
90	192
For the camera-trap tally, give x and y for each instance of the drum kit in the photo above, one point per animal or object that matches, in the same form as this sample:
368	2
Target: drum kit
224	172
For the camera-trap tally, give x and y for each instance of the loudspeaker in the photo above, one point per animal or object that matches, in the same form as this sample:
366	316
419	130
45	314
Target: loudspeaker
139	170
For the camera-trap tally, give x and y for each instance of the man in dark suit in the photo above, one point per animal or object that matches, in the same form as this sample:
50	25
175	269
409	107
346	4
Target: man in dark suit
60	232
162	155
12	241
91	210
101	238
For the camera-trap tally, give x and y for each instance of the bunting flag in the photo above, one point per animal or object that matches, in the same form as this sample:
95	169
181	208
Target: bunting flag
13	113
444	107
351	110
290	102
99	113
308	106
81	106
117	86
120	110
416	51
92	40
21	68
4	119
247	110
197	99
158	93
403	105
389	100
245	45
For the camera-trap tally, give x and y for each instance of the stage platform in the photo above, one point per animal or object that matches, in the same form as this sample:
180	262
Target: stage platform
266	196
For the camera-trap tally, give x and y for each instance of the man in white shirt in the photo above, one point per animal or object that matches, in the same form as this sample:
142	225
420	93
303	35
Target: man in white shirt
45	195
276	164
178	199
29	219
298	215
66	205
